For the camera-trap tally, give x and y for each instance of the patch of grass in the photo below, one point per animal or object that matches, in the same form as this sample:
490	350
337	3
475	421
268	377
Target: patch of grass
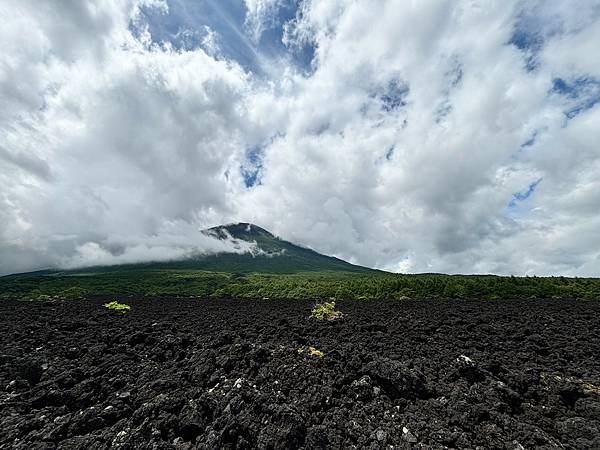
325	311
116	306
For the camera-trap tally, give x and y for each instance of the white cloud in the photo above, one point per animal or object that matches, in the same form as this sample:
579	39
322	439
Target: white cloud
402	149
117	142
174	241
440	202
261	15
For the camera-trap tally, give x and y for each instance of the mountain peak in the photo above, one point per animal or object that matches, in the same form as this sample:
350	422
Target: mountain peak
243	230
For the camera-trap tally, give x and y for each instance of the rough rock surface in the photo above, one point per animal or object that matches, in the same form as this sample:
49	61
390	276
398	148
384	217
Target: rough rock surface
192	373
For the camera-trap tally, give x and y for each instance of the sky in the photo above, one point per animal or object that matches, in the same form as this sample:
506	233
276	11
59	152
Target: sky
457	136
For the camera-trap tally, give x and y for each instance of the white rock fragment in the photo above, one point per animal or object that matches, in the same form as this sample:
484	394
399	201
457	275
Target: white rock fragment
464	359
408	436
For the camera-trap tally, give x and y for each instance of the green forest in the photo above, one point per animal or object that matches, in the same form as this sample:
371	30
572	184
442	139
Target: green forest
317	285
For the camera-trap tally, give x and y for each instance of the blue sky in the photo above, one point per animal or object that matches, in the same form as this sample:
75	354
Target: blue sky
519	197
431	136
184	26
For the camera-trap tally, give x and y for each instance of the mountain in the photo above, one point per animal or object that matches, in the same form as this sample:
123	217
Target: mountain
272	255
269	254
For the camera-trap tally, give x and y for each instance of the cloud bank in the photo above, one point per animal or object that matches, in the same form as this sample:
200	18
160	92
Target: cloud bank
410	136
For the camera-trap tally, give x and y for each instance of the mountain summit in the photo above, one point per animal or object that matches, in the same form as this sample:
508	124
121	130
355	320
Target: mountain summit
243	230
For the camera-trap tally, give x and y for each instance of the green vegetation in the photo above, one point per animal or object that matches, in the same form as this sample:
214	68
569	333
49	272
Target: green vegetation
325	311
316	285
116	306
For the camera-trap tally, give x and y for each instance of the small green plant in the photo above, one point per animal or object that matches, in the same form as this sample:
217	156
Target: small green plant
325	311
116	306
314	352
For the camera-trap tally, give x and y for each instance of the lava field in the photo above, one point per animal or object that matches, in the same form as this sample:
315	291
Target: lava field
195	374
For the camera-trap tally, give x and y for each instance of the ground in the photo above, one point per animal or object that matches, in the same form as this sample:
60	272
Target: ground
194	373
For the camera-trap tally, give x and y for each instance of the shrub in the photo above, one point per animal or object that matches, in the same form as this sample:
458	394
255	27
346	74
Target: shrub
116	306
72	293
325	311
314	352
